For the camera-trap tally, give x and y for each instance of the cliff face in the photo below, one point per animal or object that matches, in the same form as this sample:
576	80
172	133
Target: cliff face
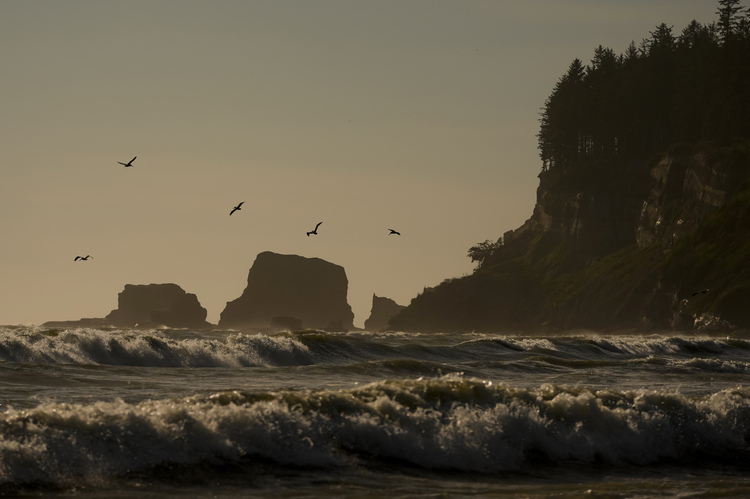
382	310
686	187
309	290
615	246
157	304
593	209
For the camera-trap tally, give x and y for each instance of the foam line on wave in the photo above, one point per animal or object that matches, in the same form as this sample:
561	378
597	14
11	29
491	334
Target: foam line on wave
149	349
451	423
156	349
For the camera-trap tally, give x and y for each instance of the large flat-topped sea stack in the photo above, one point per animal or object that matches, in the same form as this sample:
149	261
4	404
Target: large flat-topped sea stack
157	304
310	290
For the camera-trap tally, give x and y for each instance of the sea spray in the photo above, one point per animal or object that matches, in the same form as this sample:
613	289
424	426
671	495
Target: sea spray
447	423
149	349
157	348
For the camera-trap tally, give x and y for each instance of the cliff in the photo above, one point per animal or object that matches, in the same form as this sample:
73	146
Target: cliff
615	245
148	305
382	310
309	290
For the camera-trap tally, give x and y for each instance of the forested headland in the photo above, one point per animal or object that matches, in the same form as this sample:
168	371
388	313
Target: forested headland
642	217
689	87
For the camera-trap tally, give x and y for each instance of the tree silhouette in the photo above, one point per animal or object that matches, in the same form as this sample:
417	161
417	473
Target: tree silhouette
484	251
693	87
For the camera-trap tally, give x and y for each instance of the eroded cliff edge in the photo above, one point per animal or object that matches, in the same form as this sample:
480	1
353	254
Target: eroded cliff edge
612	246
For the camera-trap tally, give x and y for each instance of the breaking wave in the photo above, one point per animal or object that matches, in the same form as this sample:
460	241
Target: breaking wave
149	349
446	423
157	348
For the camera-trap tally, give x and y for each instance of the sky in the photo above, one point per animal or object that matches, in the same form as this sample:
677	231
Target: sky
415	115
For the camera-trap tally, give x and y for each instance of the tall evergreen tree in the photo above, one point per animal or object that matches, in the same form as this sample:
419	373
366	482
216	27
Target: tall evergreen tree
729	19
688	88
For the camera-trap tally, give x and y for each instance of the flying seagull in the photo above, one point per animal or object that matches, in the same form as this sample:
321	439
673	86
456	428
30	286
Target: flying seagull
129	163
238	207
702	292
315	230
82	258
394	232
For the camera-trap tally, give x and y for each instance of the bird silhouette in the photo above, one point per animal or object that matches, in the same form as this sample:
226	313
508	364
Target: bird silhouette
129	163
238	207
702	292
394	232
315	230
82	258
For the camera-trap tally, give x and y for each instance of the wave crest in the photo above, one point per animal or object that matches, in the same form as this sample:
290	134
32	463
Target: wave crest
450	423
148	349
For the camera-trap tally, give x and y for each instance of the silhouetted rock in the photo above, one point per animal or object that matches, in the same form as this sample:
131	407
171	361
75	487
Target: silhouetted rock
309	289
94	322
382	310
286	323
614	246
147	305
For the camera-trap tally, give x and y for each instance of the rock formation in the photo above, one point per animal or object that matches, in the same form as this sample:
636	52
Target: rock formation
310	290
148	305
614	246
382	310
286	323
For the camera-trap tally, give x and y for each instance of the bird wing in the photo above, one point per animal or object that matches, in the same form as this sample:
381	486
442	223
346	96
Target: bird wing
121	163
76	258
238	206
133	159
316	227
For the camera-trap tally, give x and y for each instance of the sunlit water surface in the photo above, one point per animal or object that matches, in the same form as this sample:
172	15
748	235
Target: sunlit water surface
163	413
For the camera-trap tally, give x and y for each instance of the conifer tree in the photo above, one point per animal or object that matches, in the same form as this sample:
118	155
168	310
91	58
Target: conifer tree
690	88
729	19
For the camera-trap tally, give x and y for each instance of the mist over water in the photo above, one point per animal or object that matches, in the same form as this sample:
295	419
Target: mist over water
288	413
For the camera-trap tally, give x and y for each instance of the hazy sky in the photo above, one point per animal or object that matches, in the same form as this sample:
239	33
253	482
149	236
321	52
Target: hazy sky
416	115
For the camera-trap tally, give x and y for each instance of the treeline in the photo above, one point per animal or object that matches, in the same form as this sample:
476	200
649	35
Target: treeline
669	89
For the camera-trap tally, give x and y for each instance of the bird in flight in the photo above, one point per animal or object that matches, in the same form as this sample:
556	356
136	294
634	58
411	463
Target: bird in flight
315	230
238	207
82	258
129	163
394	232
702	292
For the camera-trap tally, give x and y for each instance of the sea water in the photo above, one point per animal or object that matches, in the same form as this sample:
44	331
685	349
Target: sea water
164	413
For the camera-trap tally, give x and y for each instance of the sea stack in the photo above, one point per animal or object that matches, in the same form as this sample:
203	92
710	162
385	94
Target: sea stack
147	305
311	290
382	310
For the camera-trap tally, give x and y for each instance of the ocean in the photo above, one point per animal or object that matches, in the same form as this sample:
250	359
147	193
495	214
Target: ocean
165	413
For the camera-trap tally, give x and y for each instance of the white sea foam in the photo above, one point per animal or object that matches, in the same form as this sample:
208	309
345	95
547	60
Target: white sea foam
443	423
148	348
164	349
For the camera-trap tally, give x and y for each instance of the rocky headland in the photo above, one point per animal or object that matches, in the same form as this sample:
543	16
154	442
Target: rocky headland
284	290
656	244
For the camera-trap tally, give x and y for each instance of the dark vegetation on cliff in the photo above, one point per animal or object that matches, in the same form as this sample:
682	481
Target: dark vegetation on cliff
644	198
670	89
